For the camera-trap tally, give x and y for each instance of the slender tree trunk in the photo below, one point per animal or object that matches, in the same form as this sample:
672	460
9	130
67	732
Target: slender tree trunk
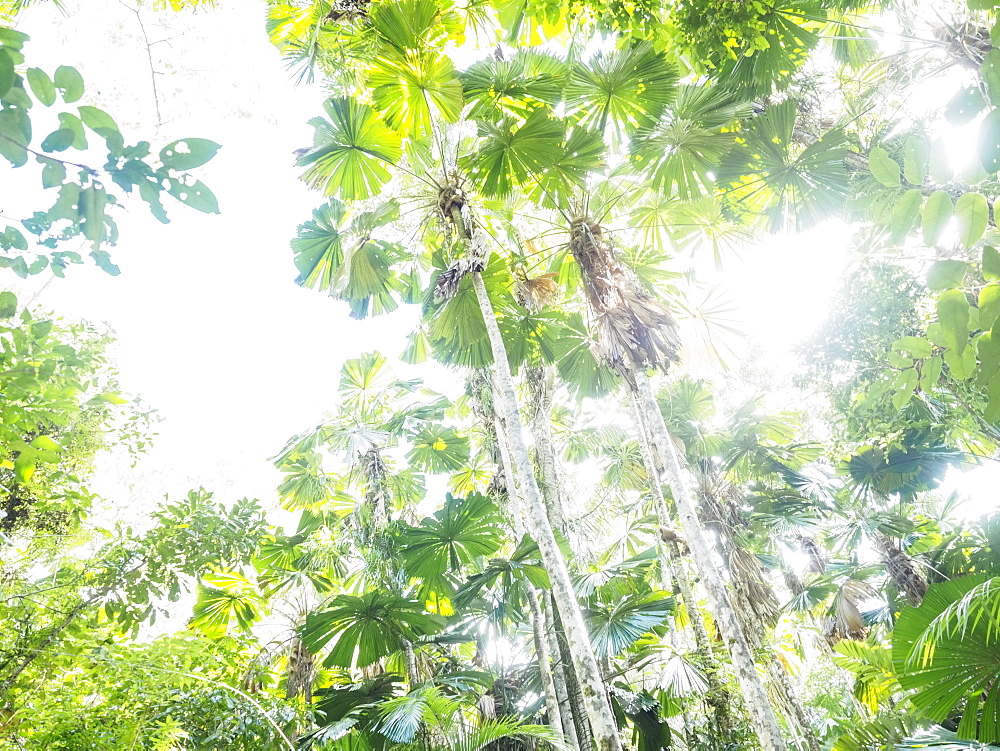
540	386
755	695
544	661
559	667
594	693
718	698
578	712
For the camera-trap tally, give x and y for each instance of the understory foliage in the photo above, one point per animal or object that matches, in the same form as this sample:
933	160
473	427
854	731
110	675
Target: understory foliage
678	564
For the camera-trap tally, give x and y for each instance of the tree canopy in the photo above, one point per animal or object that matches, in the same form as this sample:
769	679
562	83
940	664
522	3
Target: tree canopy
578	541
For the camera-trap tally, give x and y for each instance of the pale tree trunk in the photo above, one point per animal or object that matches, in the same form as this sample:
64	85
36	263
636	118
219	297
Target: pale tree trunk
762	716
594	694
544	661
540	386
578	712
718	698
570	720
542	645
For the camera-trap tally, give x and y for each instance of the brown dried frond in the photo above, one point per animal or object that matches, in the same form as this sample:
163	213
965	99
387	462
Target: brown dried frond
850	622
749	576
633	327
537	292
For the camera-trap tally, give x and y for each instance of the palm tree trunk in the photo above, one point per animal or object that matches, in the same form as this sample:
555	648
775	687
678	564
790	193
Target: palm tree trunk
717	698
544	661
754	694
574	696
568	716
539	382
594	693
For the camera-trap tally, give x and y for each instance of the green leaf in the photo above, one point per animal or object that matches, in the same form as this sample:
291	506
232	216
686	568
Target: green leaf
195	194
961	365
953	317
413	88
904	386
69	81
6	72
947	653
24	465
53	172
915	157
905	212
462	531
45	443
915	346
989	71
69	121
8	304
930	373
946	274
883	167
973	214
41	86
989	142
937	213
188	153
367	628
103	125
621	91
989	305
351	151
991	264
988	350
965	105
615	626
58	140
436	448
15	125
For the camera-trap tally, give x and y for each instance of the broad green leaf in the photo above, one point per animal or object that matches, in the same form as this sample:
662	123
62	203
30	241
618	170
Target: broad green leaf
914	345
15	135
904	386
41	86
103	125
989	141
961	365
905	212
965	105
195	194
188	153
8	304
992	412
6	72
24	465
989	305
946	274
53	172
989	71
351	151
930	373
991	264
436	448
915	156
412	90
69	81
883	167
953	317
988	350
510	153
58	140
972	213
620	91
69	121
937	213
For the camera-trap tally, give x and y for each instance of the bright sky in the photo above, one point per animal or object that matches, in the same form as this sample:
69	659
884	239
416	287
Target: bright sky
211	329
